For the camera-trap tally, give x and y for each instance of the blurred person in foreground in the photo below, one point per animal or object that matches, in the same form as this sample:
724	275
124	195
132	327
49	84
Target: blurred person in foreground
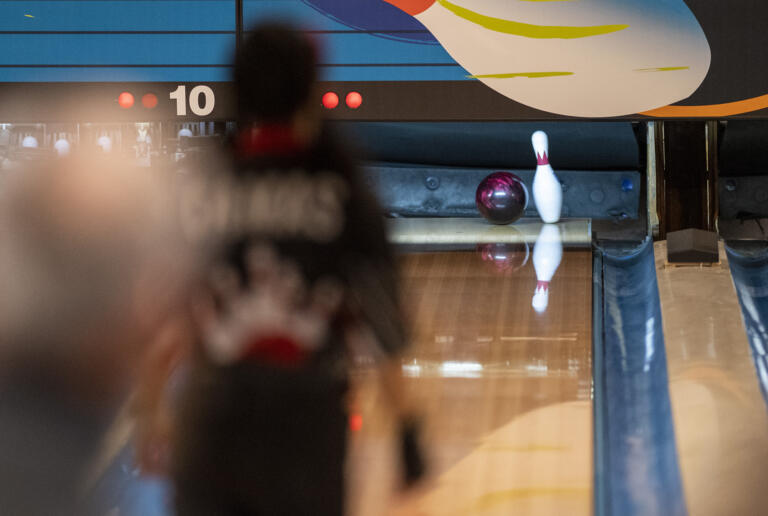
87	274
304	273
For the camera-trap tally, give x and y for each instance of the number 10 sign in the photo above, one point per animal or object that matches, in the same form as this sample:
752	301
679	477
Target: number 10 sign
194	100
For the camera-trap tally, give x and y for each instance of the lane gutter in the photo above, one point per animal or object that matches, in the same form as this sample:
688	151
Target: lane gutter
598	387
636	467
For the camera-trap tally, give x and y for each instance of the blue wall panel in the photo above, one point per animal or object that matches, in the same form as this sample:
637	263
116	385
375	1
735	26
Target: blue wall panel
91	34
355	35
115	74
118	15
117	49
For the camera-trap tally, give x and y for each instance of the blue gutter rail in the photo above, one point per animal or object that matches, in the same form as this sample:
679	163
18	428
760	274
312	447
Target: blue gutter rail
598	389
750	278
636	469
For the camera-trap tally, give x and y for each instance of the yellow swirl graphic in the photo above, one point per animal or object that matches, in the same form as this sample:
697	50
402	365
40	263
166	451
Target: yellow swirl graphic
663	69
528	30
529	75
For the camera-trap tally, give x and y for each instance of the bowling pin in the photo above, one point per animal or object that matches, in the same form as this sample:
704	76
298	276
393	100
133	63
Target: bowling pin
29	142
61	147
547	255
547	192
105	143
591	58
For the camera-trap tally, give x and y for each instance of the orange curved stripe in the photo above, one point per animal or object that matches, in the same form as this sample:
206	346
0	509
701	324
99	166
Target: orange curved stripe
713	110
412	7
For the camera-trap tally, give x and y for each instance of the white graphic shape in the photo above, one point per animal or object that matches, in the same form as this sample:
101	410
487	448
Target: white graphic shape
659	57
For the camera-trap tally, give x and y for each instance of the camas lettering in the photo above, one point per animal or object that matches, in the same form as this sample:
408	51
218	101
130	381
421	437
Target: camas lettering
292	205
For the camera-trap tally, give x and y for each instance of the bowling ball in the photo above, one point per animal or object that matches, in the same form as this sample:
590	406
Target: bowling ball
504	257
501	198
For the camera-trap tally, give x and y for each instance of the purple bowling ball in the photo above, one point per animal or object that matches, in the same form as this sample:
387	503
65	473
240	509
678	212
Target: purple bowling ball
502	198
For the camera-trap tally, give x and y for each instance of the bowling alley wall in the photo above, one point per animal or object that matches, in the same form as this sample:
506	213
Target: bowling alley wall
398	59
435	94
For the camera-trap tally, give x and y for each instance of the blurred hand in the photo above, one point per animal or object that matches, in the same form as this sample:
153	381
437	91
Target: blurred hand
152	403
412	457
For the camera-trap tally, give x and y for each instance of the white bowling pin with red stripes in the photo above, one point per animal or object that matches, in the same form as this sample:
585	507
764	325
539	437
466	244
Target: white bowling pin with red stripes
547	255
547	192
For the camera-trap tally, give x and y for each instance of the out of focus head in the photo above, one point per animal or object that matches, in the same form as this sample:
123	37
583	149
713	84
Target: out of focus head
87	265
275	74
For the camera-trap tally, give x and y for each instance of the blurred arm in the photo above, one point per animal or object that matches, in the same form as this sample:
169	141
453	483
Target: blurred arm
151	407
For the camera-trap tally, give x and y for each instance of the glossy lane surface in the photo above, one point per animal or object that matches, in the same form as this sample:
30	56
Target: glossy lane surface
721	423
505	391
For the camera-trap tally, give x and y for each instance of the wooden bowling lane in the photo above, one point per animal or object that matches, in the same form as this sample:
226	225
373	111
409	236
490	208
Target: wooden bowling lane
721	423
505	393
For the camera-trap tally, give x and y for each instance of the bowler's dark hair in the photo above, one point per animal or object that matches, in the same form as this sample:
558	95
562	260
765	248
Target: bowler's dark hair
274	73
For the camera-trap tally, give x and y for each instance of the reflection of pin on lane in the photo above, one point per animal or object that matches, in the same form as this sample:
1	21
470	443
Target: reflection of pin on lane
547	255
547	192
589	58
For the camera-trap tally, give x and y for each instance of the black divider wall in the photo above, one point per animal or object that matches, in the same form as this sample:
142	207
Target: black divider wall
744	148
573	145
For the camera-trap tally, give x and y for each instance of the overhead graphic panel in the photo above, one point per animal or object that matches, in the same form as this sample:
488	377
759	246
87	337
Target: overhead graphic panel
400	59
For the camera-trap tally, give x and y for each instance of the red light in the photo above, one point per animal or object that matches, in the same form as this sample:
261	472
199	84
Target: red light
149	100
355	422
125	100
354	99
330	100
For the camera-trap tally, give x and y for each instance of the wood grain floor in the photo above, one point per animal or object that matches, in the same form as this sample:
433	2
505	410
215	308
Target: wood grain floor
505	393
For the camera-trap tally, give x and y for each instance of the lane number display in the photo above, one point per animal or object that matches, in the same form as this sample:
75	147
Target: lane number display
201	100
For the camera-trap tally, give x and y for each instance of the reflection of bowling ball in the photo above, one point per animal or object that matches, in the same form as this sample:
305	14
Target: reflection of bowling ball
501	197
504	257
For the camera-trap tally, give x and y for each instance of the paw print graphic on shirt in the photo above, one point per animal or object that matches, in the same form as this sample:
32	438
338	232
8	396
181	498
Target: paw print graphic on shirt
274	316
